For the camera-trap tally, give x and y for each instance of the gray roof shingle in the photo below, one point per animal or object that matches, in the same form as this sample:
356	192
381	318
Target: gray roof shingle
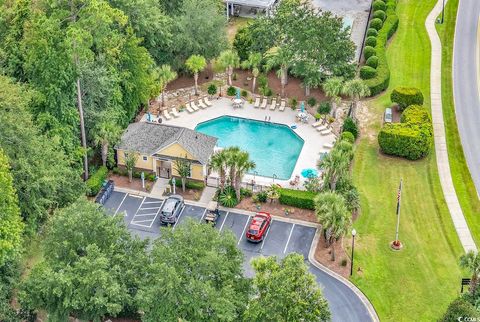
149	138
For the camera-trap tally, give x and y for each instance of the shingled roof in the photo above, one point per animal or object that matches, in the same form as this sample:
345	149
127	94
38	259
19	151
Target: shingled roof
148	138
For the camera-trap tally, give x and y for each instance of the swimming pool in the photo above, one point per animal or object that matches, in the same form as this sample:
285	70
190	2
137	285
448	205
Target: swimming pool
274	147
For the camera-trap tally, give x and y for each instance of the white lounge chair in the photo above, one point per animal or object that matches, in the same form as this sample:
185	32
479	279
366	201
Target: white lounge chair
282	106
207	101
189	108
321	128
166	115
328	146
174	112
257	102
318	123
274	104
326	132
193	106
264	103
202	104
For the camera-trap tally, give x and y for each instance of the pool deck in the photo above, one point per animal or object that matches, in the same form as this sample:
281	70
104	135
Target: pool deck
312	147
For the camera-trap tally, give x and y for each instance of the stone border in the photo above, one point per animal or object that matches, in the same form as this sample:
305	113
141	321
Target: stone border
441	150
363	298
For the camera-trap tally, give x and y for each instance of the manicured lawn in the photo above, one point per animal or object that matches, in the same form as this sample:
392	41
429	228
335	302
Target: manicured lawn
462	180
417	283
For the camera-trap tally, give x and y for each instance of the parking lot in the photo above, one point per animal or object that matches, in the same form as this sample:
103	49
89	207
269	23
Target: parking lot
142	217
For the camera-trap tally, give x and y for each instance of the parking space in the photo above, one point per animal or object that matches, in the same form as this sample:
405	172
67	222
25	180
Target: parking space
190	211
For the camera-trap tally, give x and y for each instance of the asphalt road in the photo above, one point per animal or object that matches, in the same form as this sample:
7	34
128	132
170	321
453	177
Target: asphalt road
141	216
465	84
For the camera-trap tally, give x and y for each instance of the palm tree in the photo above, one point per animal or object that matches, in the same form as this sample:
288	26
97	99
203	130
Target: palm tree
218	163
228	60
335	166
182	166
471	261
277	57
333	87
243	164
253	62
356	89
130	162
333	215
165	76
195	64
106	133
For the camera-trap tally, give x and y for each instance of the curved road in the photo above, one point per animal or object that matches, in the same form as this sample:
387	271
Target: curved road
465	84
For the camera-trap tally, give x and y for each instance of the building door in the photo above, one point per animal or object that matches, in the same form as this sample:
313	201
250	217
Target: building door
165	169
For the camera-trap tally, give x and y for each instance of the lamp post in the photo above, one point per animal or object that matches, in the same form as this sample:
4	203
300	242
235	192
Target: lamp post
354	232
443	10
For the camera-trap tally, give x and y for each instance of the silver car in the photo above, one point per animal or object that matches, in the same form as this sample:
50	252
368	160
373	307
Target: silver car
171	209
388	115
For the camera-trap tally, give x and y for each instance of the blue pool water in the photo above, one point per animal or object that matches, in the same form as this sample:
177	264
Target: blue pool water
273	147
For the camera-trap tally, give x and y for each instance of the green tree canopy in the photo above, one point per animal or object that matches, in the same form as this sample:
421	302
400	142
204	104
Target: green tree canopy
92	266
285	291
195	274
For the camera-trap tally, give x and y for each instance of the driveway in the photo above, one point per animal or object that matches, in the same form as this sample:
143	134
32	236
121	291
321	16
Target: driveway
141	216
465	84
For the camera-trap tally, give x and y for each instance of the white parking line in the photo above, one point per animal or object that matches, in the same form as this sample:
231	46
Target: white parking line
158	211
244	228
141	215
121	203
224	220
132	223
288	240
148	208
136	196
137	221
178	219
204	212
266	235
157	201
139	207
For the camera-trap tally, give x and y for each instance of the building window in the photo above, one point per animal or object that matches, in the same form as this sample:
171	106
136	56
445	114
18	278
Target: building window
145	158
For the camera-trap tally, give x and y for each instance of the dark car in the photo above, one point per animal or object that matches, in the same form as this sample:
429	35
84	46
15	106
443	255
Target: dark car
258	227
171	209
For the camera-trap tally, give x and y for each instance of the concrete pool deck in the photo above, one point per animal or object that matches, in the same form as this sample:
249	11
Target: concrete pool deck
309	154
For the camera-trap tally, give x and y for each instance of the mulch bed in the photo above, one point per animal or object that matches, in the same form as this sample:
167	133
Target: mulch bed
136	184
323	255
276	209
189	194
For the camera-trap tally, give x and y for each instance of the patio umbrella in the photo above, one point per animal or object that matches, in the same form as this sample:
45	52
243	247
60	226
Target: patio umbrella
302	107
309	173
149	117
238	93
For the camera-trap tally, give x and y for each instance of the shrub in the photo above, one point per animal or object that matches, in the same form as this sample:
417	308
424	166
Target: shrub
228	198
380	14
369	52
324	108
379	5
95	182
376	24
415	114
262	80
262	196
371	41
372	61
151	177
367	72
460	308
312	101
231	91
348	136
343	262
243	42
406	96
317	116
380	82
189	184
372	32
349	125
212	89
244	93
245	192
293	102
297	198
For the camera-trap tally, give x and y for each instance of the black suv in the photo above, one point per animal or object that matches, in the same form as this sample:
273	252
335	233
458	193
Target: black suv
171	209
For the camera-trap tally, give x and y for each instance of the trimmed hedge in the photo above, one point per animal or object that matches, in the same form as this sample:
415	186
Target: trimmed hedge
189	184
297	198
411	139
372	61
367	72
349	125
380	82
372	32
379	5
380	14
347	136
460	308
406	96
371	41
95	182
369	52
376	23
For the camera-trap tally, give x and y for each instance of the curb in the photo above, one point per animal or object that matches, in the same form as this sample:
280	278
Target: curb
347	283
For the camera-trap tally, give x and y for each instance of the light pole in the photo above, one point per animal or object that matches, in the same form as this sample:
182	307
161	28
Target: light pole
354	232
443	10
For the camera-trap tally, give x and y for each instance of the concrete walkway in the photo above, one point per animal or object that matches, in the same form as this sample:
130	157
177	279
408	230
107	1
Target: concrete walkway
439	134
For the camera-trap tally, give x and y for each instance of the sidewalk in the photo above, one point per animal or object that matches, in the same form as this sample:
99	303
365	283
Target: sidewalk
439	134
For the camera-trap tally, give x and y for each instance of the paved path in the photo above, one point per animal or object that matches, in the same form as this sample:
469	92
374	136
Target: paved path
346	302
466	84
439	134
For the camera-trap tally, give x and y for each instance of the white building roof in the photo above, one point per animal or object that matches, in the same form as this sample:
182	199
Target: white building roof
252	3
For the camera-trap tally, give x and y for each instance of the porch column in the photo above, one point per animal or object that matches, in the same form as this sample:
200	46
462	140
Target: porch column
154	165
228	9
